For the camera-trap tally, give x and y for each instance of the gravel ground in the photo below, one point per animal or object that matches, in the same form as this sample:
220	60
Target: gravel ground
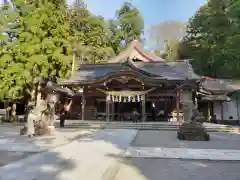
219	140
175	169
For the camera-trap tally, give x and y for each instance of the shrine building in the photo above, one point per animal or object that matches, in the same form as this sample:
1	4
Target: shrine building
135	79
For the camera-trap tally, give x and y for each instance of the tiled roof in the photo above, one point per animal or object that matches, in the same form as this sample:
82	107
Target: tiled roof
150	71
218	85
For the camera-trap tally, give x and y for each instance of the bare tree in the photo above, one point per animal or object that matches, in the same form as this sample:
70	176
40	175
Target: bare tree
166	37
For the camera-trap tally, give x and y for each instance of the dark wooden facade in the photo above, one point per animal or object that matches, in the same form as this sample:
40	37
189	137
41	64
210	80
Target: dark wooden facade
135	79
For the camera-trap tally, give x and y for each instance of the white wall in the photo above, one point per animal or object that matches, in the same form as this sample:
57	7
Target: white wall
231	108
238	106
217	110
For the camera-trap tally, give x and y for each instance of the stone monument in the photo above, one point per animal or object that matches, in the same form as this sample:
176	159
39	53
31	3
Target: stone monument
192	129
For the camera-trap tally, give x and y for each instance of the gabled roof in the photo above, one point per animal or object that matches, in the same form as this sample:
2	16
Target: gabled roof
136	51
215	97
170	70
218	85
150	72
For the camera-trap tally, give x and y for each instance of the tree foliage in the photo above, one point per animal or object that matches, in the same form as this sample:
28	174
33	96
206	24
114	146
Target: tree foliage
166	38
39	39
38	46
212	39
91	38
127	26
98	40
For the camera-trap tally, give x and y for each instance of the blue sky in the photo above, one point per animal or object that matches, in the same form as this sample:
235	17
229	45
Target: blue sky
153	11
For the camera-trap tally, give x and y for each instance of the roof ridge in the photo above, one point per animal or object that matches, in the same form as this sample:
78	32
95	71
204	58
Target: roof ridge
137	46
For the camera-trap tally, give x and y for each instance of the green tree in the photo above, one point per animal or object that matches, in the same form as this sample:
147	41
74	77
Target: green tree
128	26
40	47
211	40
91	35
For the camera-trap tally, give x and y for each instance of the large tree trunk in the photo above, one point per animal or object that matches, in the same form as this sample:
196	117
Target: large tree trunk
39	95
39	118
38	121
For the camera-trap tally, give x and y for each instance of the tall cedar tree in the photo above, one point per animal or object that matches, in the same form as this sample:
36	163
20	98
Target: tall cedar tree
38	47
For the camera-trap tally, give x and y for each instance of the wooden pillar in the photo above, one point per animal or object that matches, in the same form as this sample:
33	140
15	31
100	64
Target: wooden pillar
237	100
107	108
178	105
112	111
83	105
209	111
196	102
143	105
222	110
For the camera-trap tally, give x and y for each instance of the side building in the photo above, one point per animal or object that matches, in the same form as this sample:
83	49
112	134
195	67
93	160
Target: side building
220	98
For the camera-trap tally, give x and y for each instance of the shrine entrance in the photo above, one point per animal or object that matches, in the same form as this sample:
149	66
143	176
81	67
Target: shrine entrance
116	98
120	104
123	111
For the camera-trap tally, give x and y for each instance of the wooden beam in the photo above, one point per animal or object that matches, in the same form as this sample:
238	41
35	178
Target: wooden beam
107	109
167	94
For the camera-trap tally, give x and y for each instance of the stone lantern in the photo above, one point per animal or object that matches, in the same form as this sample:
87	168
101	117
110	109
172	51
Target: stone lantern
51	99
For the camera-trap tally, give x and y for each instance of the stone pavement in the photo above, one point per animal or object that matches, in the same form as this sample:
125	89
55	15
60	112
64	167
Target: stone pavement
164	144
10	157
183	153
177	169
168	139
10	140
92	158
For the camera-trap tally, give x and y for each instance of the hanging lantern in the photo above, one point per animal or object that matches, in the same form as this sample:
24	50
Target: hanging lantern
129	98
124	99
120	98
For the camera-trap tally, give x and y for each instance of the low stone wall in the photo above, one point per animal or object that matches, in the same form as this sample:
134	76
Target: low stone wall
227	122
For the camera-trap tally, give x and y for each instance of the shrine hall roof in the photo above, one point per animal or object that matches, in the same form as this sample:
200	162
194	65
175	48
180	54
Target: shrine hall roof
136	51
149	71
219	85
137	61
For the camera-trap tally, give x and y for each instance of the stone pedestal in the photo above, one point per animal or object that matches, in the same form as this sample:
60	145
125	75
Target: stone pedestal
192	131
41	128
51	129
